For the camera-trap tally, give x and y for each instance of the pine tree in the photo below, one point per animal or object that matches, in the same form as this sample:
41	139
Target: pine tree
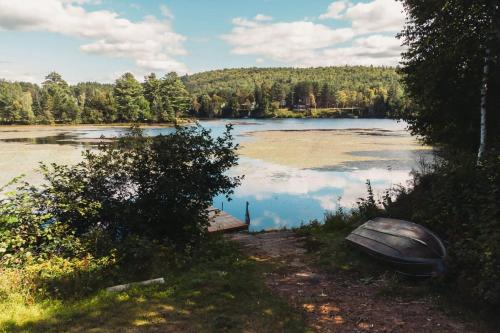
175	96
131	104
59	101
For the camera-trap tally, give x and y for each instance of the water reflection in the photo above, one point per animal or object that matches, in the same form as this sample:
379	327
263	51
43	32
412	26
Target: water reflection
282	195
63	138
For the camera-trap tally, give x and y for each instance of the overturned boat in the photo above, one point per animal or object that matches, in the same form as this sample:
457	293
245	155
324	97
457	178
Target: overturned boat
411	248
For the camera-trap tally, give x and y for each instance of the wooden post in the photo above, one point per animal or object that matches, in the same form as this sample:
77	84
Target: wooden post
484	93
247	215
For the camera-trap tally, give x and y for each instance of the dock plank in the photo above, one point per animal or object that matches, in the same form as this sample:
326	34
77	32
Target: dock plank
221	221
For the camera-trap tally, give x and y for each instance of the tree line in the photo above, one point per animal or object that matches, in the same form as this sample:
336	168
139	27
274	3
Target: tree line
260	92
127	100
229	93
451	72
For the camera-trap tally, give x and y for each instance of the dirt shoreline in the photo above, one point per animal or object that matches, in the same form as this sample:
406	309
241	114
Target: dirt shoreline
340	303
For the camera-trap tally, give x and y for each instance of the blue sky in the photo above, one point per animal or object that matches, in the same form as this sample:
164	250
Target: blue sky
100	39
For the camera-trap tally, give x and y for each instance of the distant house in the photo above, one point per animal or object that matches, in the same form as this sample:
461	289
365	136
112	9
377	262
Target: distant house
246	109
303	104
300	107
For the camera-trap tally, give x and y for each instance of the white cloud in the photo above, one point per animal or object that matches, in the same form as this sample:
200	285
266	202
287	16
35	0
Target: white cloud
166	12
377	50
264	180
151	42
375	16
307	44
328	202
10	75
288	42
243	22
82	2
262	17
334	10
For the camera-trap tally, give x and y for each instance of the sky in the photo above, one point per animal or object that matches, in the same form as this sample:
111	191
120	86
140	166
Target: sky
98	40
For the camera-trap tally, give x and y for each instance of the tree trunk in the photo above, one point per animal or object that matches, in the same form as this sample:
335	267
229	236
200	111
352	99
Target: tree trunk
484	92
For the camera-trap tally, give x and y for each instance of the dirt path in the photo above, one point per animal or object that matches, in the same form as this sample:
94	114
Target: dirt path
336	303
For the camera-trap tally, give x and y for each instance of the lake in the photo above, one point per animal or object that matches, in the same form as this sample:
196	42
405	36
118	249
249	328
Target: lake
295	169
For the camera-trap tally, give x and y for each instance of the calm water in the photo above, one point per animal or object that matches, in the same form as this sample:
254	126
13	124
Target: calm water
284	196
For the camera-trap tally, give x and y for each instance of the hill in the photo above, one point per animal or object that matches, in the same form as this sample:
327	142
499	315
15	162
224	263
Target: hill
344	77
261	91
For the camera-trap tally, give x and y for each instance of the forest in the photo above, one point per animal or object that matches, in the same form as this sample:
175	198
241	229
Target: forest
228	93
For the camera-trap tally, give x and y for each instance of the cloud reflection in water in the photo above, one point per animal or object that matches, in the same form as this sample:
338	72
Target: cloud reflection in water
285	196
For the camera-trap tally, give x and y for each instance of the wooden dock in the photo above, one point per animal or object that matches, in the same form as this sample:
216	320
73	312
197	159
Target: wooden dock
221	221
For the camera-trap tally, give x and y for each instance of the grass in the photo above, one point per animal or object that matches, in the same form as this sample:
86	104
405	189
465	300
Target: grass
285	113
222	292
328	249
314	113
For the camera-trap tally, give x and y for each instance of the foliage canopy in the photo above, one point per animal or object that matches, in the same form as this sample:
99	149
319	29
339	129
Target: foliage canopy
443	67
156	189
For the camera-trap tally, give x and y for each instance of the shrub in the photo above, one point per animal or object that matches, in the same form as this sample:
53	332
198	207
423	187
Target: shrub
343	221
326	113
460	202
158	188
127	207
67	277
285	113
57	277
28	231
153	187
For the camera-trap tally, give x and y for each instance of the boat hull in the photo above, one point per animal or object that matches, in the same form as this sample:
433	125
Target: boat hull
408	247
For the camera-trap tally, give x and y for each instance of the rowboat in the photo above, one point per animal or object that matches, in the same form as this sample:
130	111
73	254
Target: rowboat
409	247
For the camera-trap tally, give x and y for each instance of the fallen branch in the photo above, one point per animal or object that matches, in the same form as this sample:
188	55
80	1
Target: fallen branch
122	287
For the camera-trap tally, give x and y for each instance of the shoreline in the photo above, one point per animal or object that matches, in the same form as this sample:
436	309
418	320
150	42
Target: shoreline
171	124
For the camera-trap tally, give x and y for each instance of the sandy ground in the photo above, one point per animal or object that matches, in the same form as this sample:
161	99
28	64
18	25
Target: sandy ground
339	303
326	148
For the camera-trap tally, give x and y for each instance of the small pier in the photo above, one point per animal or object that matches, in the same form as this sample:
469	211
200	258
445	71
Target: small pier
221	221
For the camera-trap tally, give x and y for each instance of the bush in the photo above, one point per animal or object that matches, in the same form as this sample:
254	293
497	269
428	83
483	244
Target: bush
460	202
343	221
285	113
67	277
115	216
154	187
28	231
157	188
326	113
57	277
